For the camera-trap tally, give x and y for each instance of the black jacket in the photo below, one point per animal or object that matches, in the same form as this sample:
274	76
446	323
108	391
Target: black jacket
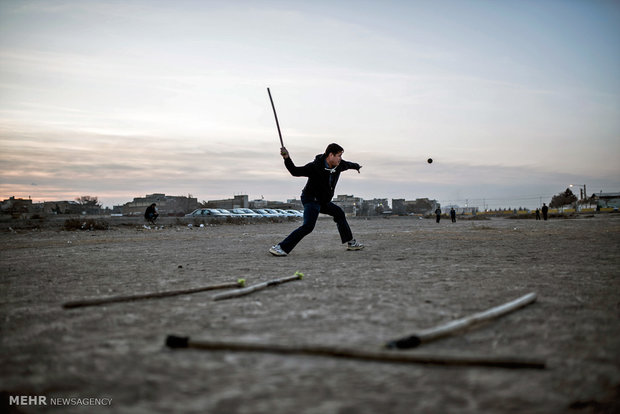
150	211
318	185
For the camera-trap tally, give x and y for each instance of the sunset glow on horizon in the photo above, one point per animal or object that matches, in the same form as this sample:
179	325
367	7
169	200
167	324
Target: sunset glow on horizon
513	100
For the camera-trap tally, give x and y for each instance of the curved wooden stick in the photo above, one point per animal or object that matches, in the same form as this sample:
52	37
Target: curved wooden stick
174	342
113	299
259	286
449	328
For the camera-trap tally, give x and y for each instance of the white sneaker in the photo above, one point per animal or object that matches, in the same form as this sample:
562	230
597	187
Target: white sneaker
354	245
277	251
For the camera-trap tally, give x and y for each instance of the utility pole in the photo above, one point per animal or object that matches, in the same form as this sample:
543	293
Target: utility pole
583	194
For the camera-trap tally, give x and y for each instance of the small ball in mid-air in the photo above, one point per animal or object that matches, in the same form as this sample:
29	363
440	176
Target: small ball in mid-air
430	160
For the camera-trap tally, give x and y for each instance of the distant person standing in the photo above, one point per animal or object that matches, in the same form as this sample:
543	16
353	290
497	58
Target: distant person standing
453	215
151	213
537	214
438	214
545	210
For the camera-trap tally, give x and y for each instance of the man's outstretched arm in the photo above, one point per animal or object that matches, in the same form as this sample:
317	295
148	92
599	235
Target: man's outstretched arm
347	165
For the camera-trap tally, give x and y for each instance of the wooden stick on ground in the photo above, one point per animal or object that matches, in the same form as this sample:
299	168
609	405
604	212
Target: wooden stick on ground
449	328
259	286
350	353
113	299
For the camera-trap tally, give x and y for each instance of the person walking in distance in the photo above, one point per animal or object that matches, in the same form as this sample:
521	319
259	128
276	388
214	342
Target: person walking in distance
453	215
545	210
323	174
438	214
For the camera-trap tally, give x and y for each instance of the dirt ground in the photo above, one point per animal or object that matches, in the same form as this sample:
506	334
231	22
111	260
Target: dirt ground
413	274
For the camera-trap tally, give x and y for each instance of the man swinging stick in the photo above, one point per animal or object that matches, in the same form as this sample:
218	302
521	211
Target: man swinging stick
323	174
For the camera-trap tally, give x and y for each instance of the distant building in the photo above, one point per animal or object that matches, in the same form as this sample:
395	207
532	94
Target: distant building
349	204
67	207
398	206
283	205
289	204
418	206
238	201
295	204
16	206
20	206
422	206
166	205
607	200
374	207
262	203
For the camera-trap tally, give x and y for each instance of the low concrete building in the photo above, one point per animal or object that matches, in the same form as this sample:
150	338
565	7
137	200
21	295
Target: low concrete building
289	204
68	207
417	206
607	200
295	204
374	207
14	205
238	201
351	205
166	205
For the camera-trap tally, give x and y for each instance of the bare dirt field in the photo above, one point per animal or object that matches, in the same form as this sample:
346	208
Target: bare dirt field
414	274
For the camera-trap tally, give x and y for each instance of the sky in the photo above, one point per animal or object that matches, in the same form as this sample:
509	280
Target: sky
514	100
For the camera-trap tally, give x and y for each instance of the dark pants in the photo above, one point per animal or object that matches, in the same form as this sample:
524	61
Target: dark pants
438	217
311	214
151	217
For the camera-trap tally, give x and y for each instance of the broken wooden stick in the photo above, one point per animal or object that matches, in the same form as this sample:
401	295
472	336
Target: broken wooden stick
113	299
174	342
259	286
449	328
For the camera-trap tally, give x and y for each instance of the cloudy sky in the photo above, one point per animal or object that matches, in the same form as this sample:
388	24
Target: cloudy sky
514	100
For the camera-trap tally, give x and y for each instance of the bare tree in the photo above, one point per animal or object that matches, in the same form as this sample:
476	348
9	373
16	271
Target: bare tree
89	201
